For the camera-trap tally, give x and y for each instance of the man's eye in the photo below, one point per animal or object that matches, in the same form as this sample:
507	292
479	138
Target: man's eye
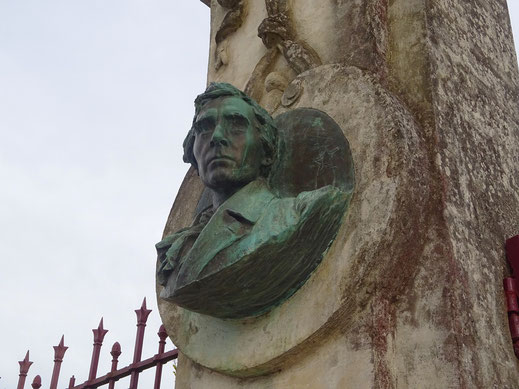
203	127
238	122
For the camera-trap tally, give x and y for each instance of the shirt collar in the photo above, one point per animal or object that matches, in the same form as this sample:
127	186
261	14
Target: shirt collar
250	201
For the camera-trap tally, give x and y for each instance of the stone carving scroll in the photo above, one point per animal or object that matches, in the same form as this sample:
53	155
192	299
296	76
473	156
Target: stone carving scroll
279	36
277	30
230	24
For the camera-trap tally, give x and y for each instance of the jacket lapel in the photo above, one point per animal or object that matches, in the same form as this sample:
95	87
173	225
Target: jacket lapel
232	220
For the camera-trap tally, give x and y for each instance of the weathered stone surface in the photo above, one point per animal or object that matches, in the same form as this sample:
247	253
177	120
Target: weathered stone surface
476	117
421	305
359	41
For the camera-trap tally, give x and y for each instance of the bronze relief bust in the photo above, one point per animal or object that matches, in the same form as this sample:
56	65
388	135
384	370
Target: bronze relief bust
276	192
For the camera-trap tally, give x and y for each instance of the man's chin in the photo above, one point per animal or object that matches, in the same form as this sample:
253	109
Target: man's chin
225	182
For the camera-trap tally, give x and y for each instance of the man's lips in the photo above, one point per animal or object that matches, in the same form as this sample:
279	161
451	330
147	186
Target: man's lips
219	158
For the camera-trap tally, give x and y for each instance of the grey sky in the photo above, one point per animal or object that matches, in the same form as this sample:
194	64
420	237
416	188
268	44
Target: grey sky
95	99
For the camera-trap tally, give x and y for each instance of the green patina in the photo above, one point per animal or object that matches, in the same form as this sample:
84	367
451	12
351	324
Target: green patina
317	122
271	215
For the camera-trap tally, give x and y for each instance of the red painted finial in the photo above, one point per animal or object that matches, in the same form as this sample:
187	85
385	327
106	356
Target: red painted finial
142	313
116	350
99	333
25	364
36	383
59	350
142	317
162	332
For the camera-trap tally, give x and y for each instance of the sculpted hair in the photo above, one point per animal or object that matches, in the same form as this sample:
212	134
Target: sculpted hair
265	124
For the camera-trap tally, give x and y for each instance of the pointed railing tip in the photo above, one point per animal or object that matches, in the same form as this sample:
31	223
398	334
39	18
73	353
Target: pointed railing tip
99	332
142	313
59	350
62	342
25	363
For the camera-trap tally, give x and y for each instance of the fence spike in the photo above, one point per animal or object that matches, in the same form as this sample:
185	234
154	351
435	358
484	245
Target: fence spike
142	313
115	374
59	353
25	364
99	335
142	317
36	383
59	350
162	346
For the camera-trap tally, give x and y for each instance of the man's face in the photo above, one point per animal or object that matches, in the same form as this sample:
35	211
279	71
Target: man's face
227	145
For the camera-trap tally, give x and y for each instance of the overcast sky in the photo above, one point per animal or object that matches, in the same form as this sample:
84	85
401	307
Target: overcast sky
95	99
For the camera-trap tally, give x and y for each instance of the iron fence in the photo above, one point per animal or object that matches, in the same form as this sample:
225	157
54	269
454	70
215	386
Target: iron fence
133	370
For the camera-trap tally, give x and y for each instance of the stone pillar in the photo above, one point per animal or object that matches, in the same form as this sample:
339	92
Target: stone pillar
410	294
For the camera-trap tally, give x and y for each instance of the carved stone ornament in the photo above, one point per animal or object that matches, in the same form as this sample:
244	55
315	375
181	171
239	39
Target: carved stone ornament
279	37
278	30
275	195
232	21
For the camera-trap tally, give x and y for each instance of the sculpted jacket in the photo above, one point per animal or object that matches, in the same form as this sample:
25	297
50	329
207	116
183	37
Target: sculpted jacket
252	252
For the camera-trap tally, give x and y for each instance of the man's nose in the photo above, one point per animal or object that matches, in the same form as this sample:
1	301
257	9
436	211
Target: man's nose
219	137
